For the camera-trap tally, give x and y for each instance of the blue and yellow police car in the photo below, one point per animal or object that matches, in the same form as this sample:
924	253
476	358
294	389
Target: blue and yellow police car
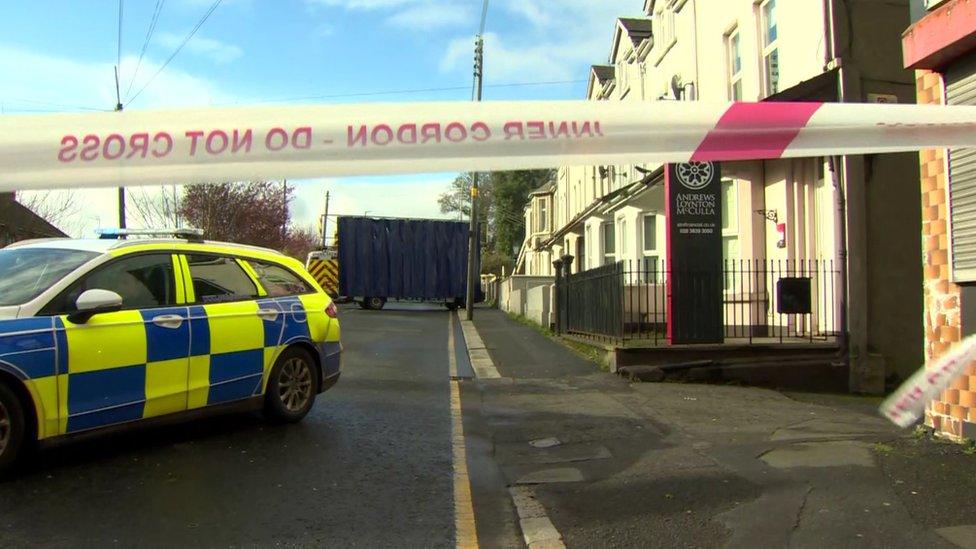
102	332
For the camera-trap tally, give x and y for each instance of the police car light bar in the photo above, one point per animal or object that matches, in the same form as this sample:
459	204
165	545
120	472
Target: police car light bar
186	233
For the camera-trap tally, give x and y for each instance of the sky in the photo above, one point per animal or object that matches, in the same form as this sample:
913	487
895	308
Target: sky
59	55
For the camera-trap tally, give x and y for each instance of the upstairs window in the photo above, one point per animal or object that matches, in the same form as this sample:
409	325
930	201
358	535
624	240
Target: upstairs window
734	60
770	51
543	215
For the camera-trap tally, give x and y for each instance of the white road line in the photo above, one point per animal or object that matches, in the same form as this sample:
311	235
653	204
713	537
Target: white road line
481	362
537	530
465	531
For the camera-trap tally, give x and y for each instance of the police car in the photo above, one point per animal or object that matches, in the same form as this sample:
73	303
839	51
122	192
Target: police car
97	333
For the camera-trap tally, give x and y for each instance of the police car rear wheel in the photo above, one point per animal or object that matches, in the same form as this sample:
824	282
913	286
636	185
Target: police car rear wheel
12	428
292	387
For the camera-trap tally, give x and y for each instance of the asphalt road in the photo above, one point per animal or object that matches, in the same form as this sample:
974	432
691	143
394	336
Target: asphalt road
369	467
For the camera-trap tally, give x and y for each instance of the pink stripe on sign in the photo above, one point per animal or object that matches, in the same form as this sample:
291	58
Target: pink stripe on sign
750	131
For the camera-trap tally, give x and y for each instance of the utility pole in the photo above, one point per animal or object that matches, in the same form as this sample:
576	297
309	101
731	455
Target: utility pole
118	108
325	222
473	278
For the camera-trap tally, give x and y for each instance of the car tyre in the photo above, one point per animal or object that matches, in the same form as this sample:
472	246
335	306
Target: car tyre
292	386
13	429
375	303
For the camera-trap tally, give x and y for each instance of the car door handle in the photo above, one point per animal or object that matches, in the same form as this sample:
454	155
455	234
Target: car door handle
168	321
269	314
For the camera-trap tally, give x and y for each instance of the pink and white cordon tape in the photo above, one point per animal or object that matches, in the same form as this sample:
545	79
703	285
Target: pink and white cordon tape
202	145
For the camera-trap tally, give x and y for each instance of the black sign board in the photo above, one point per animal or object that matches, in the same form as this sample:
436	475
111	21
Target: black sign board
695	282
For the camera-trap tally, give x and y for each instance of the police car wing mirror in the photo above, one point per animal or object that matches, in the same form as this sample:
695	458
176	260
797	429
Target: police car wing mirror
93	302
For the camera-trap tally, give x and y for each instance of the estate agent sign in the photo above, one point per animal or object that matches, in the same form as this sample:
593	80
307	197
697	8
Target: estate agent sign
695	281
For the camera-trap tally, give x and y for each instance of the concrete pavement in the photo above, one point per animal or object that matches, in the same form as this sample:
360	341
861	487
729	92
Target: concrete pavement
669	465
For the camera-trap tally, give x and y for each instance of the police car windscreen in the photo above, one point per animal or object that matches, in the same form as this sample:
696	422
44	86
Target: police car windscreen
26	272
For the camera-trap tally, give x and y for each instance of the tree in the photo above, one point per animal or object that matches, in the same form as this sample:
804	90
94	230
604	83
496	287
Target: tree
510	193
254	212
300	241
59	208
154	208
458	198
502	199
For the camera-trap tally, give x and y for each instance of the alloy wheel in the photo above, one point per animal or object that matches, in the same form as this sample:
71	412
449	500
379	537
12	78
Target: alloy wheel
295	384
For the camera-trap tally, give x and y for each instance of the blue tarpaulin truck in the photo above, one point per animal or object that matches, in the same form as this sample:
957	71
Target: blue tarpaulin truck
383	259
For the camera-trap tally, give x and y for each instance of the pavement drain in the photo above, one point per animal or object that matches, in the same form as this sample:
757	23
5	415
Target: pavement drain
563	453
545	442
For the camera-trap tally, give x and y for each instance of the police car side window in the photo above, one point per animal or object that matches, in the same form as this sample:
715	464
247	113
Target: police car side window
279	281
217	279
143	281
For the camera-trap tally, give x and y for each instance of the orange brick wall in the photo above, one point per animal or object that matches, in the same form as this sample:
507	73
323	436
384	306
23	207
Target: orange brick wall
941	296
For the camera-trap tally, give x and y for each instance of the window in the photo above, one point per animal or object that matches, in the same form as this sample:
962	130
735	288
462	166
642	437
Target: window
664	30
770	52
26	273
623	237
730	227
279	281
609	244
652	259
217	279
543	215
143	281
587	241
650	233
730	210
734	60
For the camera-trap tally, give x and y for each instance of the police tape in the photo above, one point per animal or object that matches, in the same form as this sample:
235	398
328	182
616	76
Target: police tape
907	405
209	145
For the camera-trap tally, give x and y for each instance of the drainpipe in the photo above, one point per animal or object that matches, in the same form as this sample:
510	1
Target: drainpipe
828	21
841	203
694	45
836	164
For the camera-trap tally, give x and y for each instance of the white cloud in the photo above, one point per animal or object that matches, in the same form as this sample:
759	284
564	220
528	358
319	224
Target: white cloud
506	62
215	50
393	196
429	15
556	41
359	4
421	15
32	81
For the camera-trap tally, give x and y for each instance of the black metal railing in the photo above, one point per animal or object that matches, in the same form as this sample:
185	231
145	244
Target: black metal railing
763	301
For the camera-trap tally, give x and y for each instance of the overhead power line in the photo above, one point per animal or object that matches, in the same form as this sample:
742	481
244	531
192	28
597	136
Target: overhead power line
189	36
145	44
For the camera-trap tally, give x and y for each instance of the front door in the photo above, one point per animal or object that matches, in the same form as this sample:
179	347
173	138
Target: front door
131	364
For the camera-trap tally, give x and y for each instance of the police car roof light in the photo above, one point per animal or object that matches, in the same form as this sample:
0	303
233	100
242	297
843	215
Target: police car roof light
185	233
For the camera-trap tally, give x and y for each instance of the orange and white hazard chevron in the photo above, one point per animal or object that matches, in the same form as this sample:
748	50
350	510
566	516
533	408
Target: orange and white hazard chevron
203	145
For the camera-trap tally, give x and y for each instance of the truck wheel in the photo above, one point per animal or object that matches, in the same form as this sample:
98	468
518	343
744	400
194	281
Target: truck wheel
291	386
451	305
375	303
13	429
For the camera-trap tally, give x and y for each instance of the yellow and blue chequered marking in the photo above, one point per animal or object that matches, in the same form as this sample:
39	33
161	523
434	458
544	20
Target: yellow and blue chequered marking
122	367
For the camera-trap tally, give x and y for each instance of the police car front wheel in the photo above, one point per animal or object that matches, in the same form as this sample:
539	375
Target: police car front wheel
292	386
13	428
